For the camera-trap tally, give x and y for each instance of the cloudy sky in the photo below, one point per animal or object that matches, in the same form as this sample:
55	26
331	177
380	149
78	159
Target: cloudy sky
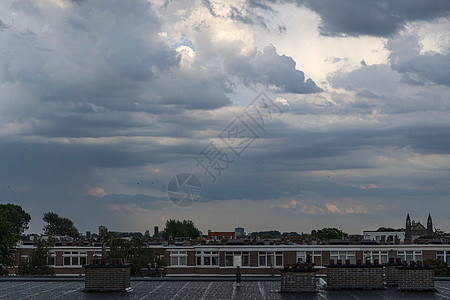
103	102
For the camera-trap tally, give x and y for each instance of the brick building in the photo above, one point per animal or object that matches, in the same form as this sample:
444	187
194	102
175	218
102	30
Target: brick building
252	259
219	235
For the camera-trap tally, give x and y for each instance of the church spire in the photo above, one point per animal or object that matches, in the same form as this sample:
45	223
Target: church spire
430	225
408	227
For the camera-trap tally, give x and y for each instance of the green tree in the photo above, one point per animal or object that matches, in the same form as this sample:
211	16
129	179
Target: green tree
439	233
57	225
387	229
330	233
191	230
13	222
18	218
134	252
7	241
441	267
176	228
38	263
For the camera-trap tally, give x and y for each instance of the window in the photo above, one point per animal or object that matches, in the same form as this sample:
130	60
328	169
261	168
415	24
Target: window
267	259
382	256
207	258
74	258
178	258
444	256
52	258
316	256
234	259
301	256
409	255
343	256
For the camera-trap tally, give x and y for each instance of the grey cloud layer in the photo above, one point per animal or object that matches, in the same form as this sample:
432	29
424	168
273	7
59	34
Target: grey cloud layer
348	17
271	69
418	68
376	18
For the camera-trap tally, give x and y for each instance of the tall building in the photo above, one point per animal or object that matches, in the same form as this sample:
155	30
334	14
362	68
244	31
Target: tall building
102	230
239	231
155	231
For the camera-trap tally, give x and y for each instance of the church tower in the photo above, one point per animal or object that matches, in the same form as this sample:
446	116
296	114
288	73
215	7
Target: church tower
408	227
429	225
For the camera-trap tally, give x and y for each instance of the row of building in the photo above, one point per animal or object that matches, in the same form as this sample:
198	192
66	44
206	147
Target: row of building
252	259
224	251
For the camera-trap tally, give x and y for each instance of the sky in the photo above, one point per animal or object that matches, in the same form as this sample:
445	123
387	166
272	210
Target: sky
340	112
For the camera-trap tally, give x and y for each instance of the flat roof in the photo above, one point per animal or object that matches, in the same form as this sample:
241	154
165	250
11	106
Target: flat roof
188	289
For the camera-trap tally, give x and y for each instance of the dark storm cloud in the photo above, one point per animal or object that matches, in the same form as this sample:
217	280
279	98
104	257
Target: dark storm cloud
278	165
103	63
196	89
108	60
417	68
350	17
272	70
376	18
300	146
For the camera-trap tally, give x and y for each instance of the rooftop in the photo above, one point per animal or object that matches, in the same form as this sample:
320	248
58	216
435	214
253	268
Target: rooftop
18	288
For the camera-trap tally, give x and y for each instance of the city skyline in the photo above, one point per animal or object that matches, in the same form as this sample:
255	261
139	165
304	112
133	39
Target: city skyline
104	102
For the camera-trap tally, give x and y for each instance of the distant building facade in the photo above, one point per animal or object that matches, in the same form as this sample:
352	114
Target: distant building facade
221	235
388	237
414	230
239	231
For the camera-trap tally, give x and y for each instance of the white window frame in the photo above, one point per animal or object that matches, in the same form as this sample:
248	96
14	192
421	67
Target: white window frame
207	258
270	256
74	256
314	255
445	256
242	254
382	256
178	258
410	255
343	255
302	255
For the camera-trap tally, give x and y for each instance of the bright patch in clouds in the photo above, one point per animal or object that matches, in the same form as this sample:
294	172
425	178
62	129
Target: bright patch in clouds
94	191
368	187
